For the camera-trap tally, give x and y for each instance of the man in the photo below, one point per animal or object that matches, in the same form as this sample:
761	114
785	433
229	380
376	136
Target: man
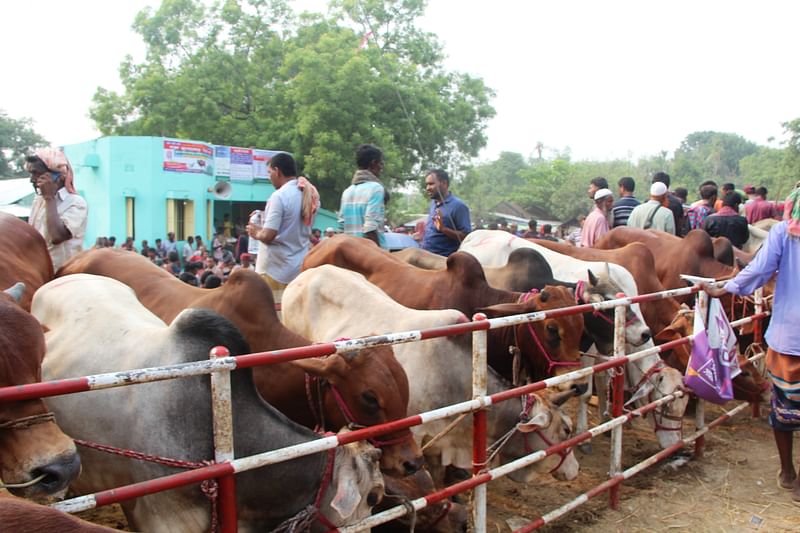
726	188
673	203
227	227
759	208
188	250
58	212
727	222
574	237
750	193
246	263
626	203
779	255
699	193
448	217
171	245
653	214
531	233
547	233
596	224
285	234
595	185
698	213
513	229
362	207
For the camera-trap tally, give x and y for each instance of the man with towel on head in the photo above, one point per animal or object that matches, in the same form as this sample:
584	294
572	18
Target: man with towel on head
779	254
58	211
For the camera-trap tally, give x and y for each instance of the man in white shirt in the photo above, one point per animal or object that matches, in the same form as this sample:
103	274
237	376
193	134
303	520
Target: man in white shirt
652	214
58	212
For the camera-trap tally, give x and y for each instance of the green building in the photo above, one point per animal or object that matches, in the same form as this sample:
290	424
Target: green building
144	187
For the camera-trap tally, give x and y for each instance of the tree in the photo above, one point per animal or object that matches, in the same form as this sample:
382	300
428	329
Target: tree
705	155
250	73
17	139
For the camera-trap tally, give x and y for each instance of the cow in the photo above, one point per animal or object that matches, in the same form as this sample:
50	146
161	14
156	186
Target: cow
32	446
246	300
543	346
440	369
647	376
444	517
637	260
725	252
96	325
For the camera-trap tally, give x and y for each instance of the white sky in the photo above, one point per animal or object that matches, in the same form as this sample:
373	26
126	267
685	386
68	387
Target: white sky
608	79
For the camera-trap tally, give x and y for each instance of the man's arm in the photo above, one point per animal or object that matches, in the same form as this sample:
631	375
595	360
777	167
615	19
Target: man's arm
462	224
56	228
669	226
272	222
373	216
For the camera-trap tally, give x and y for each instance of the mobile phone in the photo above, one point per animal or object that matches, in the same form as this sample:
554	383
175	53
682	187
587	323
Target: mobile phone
55	175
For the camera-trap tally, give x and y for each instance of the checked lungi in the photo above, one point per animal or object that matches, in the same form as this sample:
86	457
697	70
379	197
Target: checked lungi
784	370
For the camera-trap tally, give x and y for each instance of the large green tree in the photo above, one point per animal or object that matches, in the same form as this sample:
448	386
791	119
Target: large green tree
17	138
251	73
705	155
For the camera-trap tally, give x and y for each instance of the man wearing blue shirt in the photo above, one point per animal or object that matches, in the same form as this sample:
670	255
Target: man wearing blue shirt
448	217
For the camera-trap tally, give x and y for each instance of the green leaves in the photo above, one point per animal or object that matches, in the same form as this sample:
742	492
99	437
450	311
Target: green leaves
17	139
249	73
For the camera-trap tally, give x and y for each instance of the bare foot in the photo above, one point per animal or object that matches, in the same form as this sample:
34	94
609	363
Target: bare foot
788	481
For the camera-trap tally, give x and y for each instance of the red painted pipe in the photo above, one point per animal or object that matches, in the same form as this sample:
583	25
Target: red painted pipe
227	504
479	432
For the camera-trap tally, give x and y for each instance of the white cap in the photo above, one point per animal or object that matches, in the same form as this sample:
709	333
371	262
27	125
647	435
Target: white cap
602	193
329	229
658	189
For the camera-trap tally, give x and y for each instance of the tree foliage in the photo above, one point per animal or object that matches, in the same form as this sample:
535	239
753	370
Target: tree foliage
252	73
17	139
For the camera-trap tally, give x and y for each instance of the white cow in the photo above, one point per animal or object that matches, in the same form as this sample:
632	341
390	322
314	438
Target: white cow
96	325
492	248
439	369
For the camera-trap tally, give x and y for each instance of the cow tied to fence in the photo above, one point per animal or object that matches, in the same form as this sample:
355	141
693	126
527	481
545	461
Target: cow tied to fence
647	379
440	370
96	325
247	302
31	444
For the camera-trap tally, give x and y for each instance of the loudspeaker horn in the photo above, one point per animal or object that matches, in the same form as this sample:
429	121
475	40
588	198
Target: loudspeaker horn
221	190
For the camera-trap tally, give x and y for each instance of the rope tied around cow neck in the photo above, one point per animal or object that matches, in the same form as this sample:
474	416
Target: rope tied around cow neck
28	421
209	487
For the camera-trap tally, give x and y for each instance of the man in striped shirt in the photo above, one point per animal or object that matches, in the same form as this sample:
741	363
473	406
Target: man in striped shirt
626	203
362	207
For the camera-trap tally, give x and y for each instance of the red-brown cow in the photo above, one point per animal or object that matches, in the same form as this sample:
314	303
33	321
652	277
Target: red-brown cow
462	286
22	516
31	444
371	382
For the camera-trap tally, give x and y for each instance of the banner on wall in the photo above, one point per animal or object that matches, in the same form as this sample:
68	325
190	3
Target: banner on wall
260	163
193	158
222	160
241	164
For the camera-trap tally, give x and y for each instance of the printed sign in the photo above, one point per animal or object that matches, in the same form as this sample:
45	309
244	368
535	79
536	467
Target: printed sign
222	160
260	163
241	164
194	158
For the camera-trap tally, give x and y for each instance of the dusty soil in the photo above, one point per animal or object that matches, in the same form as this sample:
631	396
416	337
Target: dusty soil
730	489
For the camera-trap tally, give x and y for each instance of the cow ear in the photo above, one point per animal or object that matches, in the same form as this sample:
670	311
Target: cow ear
328	368
538	421
667	334
544	296
347	497
592	278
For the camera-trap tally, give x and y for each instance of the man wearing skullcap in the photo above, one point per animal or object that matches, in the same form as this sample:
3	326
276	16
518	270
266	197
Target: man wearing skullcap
596	224
654	213
58	212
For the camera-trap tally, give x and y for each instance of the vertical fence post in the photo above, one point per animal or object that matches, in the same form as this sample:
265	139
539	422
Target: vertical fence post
479	376
617	384
223	441
700	406
758	338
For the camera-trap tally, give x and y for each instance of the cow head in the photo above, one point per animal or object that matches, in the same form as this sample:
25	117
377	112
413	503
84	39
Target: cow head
356	485
680	327
669	418
600	324
543	424
31	444
365	388
547	346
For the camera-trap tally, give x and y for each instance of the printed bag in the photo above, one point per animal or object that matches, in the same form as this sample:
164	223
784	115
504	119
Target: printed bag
713	363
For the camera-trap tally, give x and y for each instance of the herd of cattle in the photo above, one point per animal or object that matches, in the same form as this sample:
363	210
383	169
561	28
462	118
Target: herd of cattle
108	310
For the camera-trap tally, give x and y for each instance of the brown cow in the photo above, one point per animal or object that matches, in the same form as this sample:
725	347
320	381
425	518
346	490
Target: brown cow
31	444
22	516
639	261
372	384
725	252
462	286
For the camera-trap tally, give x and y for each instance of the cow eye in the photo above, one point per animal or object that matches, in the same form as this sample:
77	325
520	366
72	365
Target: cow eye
552	330
370	400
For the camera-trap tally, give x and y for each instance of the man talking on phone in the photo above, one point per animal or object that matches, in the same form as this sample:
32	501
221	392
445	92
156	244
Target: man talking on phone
448	217
58	211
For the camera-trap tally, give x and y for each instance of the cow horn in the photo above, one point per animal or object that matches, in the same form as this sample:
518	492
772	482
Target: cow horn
16	291
561	397
592	278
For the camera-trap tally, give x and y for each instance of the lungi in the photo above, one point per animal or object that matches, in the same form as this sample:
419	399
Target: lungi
784	371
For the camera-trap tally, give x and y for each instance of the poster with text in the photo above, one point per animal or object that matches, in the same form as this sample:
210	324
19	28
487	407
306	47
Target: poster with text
222	160
260	162
241	164
194	158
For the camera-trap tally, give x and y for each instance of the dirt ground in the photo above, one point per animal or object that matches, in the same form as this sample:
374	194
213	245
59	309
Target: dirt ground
730	489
